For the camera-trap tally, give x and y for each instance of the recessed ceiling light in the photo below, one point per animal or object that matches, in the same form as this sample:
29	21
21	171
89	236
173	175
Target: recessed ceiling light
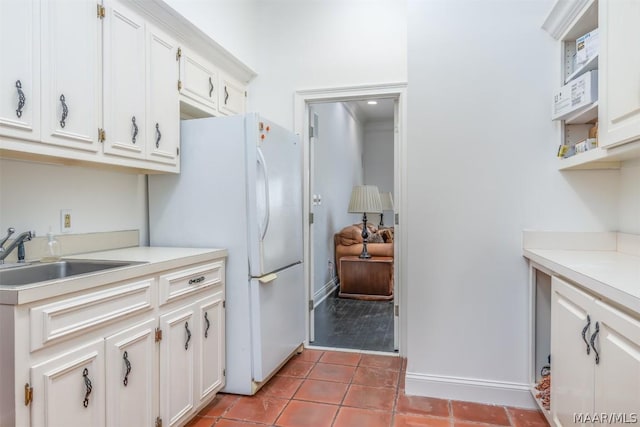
372	102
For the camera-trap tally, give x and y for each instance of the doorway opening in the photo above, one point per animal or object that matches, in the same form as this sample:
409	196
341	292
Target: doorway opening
353	137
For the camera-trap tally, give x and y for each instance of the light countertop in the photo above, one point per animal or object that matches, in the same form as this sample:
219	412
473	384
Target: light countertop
152	260
611	274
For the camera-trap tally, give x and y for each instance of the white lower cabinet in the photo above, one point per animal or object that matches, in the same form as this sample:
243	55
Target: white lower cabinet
191	357
69	388
118	355
131	380
595	358
177	360
211	354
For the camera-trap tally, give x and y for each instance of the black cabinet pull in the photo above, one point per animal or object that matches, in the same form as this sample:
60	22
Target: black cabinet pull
186	326
206	330
196	280
135	129
158	135
65	111
87	384
210	87
584	333
125	356
21	98
226	95
593	343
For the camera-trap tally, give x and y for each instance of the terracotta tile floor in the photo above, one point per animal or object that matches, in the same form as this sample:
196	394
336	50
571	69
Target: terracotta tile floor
340	389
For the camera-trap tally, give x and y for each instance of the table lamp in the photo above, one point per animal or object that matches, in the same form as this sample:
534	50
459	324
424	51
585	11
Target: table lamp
387	205
365	198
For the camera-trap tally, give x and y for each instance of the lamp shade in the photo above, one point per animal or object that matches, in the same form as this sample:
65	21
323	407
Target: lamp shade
387	201
365	199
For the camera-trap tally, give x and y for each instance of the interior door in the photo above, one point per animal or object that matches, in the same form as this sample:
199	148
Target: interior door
315	200
397	253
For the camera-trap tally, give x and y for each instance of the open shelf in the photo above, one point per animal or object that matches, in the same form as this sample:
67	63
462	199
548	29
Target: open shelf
587	115
601	158
590	65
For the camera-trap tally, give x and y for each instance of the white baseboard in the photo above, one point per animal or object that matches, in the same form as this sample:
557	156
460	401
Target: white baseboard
322	293
470	390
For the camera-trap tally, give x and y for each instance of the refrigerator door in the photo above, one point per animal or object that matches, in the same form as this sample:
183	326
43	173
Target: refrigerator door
274	194
277	319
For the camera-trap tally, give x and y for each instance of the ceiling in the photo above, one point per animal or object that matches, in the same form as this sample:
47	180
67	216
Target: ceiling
372	113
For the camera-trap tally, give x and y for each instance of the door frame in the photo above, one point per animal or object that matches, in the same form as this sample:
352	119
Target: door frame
398	92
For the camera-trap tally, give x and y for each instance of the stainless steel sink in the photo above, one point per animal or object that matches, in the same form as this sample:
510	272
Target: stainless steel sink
41	272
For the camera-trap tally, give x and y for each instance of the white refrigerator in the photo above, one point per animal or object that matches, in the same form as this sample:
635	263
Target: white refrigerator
240	188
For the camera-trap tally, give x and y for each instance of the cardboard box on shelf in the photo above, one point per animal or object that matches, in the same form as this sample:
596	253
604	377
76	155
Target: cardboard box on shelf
587	47
575	95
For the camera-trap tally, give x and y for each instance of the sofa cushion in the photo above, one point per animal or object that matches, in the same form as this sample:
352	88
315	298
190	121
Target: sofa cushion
387	234
352	234
375	238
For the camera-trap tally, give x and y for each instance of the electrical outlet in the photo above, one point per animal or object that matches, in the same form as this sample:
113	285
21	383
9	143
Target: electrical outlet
65	221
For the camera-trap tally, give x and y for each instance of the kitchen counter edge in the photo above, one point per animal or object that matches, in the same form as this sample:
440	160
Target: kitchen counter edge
153	260
611	275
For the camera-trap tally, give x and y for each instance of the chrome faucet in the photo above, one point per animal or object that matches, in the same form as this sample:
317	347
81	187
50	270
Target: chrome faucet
18	242
10	231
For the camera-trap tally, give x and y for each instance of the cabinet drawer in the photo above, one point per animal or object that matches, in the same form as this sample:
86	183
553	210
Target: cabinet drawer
73	316
185	282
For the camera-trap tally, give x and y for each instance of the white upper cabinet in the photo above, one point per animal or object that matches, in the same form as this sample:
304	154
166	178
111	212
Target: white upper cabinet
163	100
105	82
617	59
70	73
198	81
619	72
232	96
20	70
124	82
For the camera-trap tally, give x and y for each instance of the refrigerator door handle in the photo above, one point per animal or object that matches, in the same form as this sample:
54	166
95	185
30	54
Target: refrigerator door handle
268	278
262	162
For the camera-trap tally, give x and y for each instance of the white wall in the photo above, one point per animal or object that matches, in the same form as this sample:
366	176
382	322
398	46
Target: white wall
323	44
231	23
338	166
32	195
378	160
630	197
480	170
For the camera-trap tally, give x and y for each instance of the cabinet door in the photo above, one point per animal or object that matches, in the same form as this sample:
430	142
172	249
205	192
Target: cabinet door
199	81
163	101
617	373
69	390
232	98
124	83
20	70
211	353
130	376
177	363
71	86
571	366
619	81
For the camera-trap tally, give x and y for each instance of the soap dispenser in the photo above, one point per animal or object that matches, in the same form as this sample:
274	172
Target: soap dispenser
53	249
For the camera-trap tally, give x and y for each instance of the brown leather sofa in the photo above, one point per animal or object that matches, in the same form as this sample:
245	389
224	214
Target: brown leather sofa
348	242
